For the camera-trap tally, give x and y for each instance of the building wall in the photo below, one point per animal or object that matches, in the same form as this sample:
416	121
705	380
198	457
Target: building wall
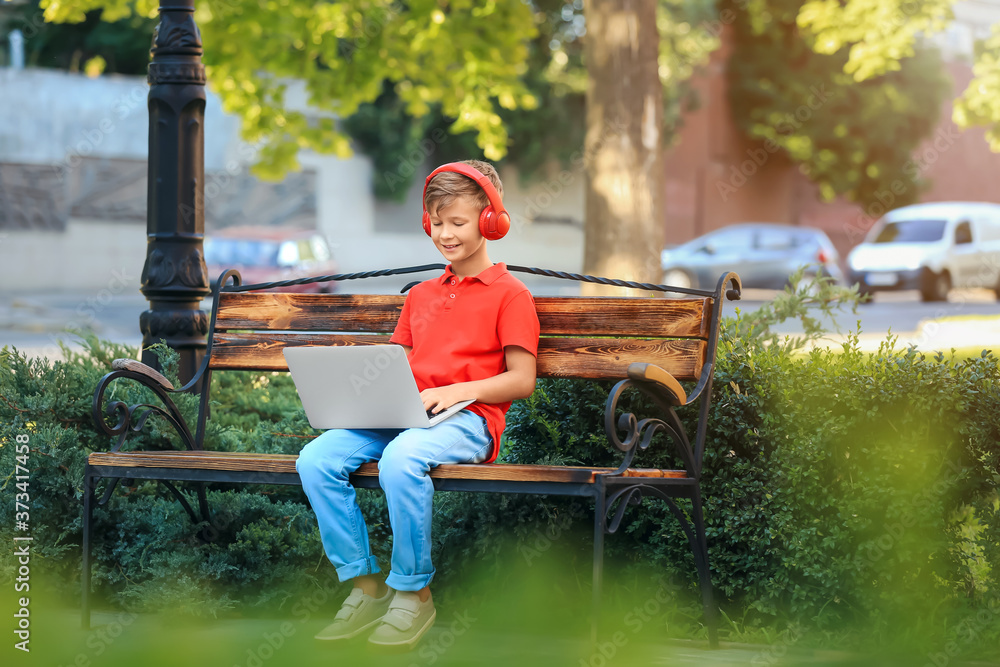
715	177
73	178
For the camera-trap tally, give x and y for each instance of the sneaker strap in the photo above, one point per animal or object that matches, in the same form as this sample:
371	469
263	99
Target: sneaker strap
351	605
402	612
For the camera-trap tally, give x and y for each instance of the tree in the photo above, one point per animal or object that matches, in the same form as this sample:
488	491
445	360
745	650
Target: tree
880	32
91	45
849	117
467	62
980	103
623	156
465	56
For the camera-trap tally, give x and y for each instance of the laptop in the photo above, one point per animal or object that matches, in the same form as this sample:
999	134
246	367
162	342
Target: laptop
360	386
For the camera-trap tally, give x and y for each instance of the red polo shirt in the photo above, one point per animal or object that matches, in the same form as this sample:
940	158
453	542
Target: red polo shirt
458	329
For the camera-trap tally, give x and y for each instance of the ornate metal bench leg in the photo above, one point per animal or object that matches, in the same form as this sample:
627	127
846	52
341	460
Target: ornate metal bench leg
704	574
599	511
89	491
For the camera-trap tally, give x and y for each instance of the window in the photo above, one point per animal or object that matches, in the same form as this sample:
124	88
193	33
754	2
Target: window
289	254
775	239
306	251
729	240
320	249
963	233
235	252
911	231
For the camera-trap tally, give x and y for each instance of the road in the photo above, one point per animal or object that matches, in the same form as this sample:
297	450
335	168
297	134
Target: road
36	322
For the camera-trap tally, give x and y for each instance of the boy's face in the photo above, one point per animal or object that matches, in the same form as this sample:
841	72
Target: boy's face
455	230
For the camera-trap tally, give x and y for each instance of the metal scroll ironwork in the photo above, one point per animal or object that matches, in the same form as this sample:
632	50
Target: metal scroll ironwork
632	495
131	418
638	433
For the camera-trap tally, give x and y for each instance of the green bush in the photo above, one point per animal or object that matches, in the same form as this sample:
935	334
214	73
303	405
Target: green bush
846	493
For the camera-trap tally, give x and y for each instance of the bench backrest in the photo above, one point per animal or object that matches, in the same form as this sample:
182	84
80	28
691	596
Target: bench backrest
581	337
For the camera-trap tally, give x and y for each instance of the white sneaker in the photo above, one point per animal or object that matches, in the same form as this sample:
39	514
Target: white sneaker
406	621
358	613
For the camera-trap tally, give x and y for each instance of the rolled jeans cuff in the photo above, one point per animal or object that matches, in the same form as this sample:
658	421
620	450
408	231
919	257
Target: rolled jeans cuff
358	568
408	582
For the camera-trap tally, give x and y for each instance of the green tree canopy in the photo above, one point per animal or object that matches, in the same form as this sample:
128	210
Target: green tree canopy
850	137
980	103
92	44
878	34
552	132
469	57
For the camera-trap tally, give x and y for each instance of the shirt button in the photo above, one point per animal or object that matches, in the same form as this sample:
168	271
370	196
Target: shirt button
452	281
452	296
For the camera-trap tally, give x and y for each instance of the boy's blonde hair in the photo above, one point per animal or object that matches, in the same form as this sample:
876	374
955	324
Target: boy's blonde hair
448	186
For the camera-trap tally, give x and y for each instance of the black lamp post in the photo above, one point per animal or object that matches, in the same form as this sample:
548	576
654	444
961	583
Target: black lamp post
174	278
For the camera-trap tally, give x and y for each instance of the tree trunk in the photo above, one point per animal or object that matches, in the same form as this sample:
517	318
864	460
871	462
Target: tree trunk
624	210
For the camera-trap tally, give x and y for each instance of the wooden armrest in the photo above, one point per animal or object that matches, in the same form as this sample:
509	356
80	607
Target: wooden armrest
143	369
652	373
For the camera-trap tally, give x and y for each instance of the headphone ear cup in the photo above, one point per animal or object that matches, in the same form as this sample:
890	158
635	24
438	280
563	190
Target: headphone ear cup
487	226
493	226
427	223
503	224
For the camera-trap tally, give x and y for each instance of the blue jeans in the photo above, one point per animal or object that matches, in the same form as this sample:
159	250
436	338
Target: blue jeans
405	458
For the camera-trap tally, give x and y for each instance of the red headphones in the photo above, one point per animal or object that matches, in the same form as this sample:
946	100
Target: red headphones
494	221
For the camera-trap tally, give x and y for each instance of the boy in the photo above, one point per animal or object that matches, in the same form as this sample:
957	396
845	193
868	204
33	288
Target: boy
471	333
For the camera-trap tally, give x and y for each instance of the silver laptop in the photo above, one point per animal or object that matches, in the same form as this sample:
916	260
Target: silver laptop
360	386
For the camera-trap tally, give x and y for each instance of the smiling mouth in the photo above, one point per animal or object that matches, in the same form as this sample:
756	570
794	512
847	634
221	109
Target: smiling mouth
449	247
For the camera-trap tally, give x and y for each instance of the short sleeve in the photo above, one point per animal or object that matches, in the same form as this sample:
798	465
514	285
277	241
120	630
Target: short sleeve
402	335
518	323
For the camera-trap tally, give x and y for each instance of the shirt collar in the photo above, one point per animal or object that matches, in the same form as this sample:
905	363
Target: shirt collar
487	276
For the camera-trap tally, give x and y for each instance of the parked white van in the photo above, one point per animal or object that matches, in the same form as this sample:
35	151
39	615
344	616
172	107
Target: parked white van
931	247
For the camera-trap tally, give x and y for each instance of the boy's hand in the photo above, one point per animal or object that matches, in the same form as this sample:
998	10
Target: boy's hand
442	398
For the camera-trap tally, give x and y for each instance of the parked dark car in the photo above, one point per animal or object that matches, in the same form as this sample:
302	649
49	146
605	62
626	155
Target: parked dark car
267	254
764	255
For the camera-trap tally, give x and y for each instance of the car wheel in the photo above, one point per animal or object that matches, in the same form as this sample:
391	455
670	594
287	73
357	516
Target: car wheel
935	286
679	278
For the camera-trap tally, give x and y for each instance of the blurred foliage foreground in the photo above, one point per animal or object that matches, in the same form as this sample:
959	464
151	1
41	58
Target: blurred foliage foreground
851	501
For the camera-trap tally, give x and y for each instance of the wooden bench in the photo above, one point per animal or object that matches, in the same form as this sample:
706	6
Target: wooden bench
650	344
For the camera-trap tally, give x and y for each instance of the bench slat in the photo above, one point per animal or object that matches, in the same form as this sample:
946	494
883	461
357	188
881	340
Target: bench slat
590	358
651	317
377	313
289	311
285	463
